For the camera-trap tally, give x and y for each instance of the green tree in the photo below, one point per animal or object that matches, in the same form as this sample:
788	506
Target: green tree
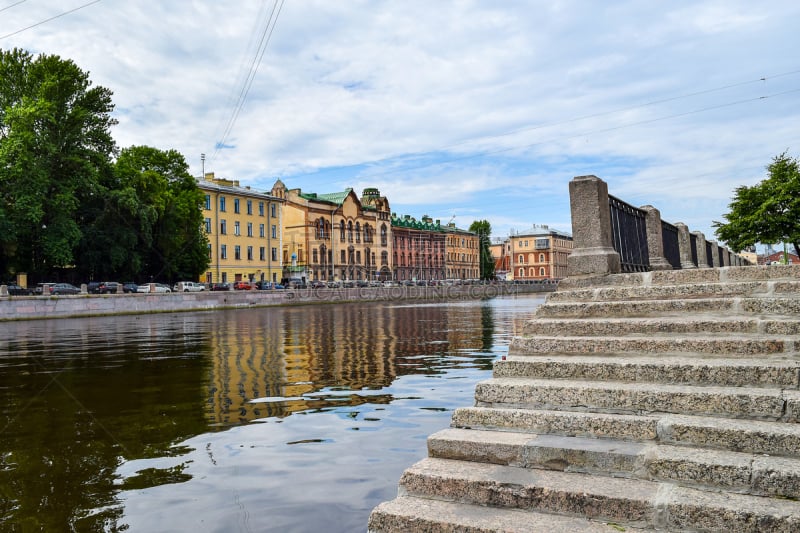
484	230
150	224
55	146
768	212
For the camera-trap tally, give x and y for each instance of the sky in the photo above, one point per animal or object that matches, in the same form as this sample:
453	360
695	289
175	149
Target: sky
462	110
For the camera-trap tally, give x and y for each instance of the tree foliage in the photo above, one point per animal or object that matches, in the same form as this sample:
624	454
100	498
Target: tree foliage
484	230
768	212
55	145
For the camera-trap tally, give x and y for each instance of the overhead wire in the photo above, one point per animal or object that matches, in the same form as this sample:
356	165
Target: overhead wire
266	35
12	5
48	20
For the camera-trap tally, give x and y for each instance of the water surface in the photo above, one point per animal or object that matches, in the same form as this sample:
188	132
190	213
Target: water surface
279	419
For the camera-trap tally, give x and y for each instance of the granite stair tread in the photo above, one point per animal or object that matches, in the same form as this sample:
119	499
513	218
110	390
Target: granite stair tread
620	500
728	344
418	515
635	398
722	371
759	288
750	473
690	326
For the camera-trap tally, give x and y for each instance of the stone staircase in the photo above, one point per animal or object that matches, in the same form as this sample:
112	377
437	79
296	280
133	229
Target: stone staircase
660	401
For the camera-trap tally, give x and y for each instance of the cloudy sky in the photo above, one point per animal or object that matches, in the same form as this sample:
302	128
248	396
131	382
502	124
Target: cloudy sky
459	110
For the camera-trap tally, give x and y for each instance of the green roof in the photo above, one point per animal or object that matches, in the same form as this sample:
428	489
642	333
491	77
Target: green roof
412	223
331	197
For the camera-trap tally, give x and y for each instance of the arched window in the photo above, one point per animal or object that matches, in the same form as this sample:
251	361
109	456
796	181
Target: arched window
383	235
341	231
358	232
541	271
521	258
323	255
384	258
541	258
350	232
532	272
522	272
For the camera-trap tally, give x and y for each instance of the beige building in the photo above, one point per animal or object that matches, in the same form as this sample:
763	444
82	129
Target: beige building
243	227
462	253
335	236
539	253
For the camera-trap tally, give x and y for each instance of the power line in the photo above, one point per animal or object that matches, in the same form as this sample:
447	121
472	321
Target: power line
12	5
48	20
248	82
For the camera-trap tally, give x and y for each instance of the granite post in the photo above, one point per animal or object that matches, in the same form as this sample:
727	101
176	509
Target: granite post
702	256
685	246
593	253
655	238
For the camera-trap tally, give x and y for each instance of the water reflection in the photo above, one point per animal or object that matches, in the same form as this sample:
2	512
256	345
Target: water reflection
101	416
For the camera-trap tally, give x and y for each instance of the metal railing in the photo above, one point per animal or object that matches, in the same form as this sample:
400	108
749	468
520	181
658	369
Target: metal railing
629	235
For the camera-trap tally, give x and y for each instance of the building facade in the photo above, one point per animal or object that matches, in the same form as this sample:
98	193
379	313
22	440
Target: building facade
335	236
501	253
539	253
243	227
418	249
462	253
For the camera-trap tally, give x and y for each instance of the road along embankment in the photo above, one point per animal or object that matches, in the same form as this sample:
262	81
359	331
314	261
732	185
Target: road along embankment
42	307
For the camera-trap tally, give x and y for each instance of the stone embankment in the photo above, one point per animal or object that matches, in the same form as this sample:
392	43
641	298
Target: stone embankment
39	307
664	401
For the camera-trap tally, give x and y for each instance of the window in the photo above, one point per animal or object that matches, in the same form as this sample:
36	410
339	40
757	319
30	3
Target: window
249	229
249	253
522	272
521	258
223	227
261	232
272	210
208	202
274	231
349	232
341	231
237	252
315	255
384	258
541	271
542	244
383	235
358	257
343	257
541	258
274	254
222	203
358	232
236	229
249	207
223	251
209	250
208	225
261	209
236	205
262	254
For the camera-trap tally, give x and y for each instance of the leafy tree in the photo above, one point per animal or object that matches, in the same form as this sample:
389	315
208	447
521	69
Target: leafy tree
150	225
484	229
55	146
768	212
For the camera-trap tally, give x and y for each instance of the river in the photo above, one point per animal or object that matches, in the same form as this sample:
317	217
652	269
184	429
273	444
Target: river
291	419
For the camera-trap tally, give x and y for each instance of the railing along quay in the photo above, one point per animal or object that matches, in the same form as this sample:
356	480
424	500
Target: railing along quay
613	236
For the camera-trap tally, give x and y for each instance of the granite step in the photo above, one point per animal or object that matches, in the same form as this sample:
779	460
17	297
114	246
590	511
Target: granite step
423	515
632	502
750	436
776	307
685	370
723	345
635	398
681	325
689	276
667	292
748	473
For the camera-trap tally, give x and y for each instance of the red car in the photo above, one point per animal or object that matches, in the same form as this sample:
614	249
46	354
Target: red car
242	285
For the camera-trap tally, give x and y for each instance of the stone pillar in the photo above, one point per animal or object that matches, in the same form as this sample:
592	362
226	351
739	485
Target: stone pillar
685	245
655	239
700	242
726	257
3	290
593	253
714	254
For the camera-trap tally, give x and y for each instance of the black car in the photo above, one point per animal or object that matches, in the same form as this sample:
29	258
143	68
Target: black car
18	290
220	286
93	287
109	287
130	287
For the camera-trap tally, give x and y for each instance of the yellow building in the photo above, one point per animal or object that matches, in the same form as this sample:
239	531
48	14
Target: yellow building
244	232
335	236
539	253
462	253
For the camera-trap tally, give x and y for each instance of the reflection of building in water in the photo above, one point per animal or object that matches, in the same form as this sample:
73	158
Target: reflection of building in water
326	354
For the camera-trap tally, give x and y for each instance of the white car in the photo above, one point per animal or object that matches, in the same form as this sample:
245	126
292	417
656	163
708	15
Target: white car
159	287
189	286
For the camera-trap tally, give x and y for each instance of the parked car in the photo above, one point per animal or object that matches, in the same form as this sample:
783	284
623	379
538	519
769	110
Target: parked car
316	284
130	287
93	287
109	287
18	290
64	288
162	287
242	285
189	286
220	286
